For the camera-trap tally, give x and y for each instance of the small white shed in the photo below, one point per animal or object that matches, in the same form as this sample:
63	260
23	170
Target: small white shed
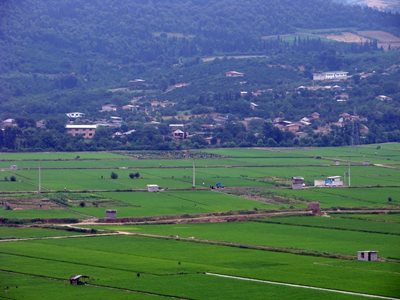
153	188
367	255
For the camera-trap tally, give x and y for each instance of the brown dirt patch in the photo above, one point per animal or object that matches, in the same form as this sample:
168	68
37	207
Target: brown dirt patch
385	39
260	196
347	37
22	204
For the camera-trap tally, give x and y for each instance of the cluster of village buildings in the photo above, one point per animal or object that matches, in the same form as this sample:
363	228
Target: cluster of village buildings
79	125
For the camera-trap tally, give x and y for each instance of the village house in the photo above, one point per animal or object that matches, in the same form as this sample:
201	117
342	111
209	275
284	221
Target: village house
383	98
137	84
305	121
9	123
315	116
130	107
287	126
253	105
343	97
258	93
86	131
157	103
181	85
75	115
179	134
331	181
41	124
293	127
234	74
116	120
346	117
121	134
108	108
335	75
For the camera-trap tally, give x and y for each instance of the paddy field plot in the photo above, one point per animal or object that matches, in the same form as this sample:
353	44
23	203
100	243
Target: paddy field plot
136	204
174	203
27	232
284	235
375	223
350	197
172	267
151	262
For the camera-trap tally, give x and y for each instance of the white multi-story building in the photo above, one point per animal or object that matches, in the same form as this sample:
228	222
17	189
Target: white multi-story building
87	131
334	75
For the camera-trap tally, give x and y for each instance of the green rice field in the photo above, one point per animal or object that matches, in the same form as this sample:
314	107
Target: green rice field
254	238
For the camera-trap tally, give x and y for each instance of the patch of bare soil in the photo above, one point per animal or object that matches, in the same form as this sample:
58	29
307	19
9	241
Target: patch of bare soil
259	195
99	203
347	37
28	203
385	39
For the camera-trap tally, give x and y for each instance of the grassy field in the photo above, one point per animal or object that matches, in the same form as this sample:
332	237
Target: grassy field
115	261
22	232
142	204
363	223
357	197
287	235
77	186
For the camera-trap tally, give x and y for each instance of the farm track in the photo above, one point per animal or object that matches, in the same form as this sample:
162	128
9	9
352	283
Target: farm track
168	189
302	286
240	245
223	217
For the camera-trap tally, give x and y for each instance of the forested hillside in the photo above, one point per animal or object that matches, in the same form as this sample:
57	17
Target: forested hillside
74	55
44	36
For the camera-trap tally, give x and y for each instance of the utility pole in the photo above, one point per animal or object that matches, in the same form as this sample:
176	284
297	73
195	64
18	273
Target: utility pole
194	176
349	175
40	180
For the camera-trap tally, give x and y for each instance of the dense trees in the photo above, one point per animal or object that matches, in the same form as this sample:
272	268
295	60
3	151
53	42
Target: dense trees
63	56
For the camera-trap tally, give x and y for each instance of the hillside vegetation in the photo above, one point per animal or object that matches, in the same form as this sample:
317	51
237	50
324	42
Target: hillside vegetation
64	56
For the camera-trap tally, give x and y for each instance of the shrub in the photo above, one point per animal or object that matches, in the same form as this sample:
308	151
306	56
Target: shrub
82	204
114	175
134	175
13	178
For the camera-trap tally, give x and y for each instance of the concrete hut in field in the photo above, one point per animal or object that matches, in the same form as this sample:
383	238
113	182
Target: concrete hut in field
331	181
315	208
367	255
153	188
111	213
297	183
78	279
